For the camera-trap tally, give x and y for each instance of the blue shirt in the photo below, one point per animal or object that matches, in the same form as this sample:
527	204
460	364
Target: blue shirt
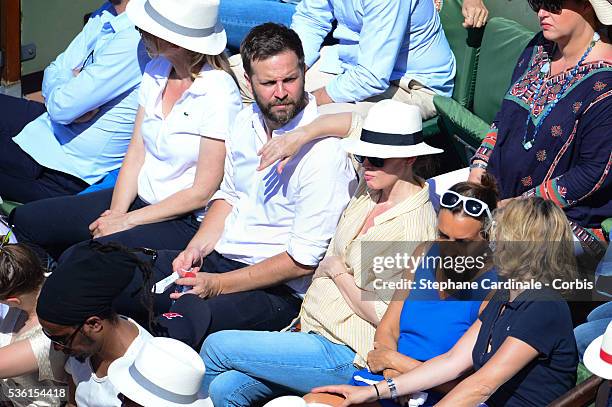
380	41
112	59
542	320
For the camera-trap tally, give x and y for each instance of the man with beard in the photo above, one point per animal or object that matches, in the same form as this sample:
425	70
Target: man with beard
264	232
76	313
82	130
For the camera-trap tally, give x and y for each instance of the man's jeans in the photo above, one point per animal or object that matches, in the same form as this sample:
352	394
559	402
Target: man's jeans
239	16
244	367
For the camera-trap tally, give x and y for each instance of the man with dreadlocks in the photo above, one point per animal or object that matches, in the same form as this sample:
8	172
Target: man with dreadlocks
75	310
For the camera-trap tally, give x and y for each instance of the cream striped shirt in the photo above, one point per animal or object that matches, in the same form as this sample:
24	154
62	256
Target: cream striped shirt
402	227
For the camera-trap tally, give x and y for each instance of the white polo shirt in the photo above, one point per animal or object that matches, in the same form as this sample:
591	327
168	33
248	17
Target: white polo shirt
172	144
296	211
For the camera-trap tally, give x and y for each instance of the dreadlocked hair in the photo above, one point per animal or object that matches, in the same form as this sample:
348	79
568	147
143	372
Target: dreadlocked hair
145	267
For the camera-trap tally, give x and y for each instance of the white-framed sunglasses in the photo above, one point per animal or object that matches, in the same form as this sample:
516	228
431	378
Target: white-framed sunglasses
472	206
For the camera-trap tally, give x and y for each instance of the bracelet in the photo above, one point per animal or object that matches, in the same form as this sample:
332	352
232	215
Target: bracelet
377	392
478	165
392	388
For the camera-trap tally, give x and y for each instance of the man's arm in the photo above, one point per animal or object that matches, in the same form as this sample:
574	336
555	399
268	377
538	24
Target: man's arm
116	69
385	22
312	21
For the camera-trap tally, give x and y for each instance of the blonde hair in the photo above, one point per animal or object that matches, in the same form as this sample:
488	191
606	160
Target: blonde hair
533	240
196	60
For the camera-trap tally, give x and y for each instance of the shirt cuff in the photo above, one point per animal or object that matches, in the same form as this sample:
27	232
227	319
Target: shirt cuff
306	252
220	194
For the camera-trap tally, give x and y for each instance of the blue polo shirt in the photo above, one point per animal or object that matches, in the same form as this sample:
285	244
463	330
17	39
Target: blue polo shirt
541	319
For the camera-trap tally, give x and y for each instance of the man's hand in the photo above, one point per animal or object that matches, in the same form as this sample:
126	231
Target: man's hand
87	116
205	285
189	259
322	97
475	13
110	222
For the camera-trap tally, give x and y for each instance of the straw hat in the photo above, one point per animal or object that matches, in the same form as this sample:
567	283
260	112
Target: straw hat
598	355
603	9
166	372
191	24
391	129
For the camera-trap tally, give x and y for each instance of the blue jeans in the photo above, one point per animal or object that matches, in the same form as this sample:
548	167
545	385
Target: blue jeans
245	367
239	16
596	324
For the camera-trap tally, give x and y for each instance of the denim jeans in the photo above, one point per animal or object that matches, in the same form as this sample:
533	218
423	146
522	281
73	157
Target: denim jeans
596	324
239	16
245	367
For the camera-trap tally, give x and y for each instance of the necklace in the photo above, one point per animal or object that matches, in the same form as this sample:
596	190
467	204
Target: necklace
528	143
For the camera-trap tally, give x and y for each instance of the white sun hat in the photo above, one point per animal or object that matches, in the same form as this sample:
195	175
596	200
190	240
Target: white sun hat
166	372
603	9
191	24
391	129
598	355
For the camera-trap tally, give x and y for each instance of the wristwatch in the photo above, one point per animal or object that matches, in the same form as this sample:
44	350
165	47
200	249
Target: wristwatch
478	165
392	388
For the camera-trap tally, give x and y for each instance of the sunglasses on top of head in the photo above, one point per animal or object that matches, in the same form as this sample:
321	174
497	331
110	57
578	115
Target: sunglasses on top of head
471	206
375	161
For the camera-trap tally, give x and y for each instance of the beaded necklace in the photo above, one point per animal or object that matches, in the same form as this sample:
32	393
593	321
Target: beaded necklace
527	144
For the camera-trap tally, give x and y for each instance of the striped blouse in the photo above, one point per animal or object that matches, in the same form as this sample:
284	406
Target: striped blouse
399	229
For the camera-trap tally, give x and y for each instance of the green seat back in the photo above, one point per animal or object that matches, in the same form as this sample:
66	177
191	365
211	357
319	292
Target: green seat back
7	206
502	43
465	44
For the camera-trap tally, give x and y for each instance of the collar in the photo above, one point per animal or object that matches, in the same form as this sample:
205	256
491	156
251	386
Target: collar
407	205
113	23
307	115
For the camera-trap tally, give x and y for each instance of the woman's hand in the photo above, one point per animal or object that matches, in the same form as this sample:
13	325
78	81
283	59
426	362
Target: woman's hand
110	222
379	359
330	266
475	13
282	148
204	285
476	175
352	394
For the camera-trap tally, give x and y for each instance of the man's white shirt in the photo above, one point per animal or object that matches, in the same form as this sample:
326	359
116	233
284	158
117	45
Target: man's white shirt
296	211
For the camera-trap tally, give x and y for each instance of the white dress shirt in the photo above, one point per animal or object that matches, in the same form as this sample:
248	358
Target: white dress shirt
172	143
296	211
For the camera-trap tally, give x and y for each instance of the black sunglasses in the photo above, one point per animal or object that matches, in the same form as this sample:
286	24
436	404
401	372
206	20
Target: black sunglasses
60	341
552	6
375	161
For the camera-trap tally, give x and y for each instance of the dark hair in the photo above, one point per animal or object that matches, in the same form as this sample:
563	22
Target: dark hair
267	40
21	271
486	191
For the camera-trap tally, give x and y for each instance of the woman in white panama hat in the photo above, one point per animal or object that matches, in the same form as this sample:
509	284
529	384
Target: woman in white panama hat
389	213
188	101
598	355
166	373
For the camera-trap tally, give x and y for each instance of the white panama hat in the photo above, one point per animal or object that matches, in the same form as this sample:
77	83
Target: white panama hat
598	355
603	10
166	372
391	129
191	24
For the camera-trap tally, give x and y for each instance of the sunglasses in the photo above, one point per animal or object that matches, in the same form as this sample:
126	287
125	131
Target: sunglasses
375	161
60	341
552	6
472	206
